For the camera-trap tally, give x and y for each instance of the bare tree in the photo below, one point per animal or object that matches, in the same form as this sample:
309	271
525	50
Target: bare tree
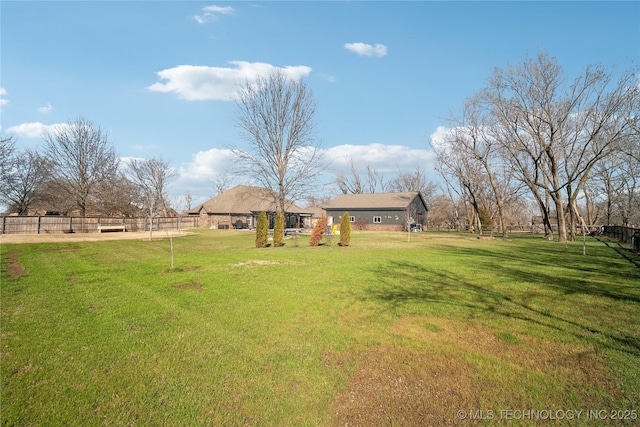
472	135
353	183
413	181
151	176
443	212
617	179
222	183
555	133
317	201
375	180
276	117
7	164
118	196
23	181
410	217
82	158
188	199
463	175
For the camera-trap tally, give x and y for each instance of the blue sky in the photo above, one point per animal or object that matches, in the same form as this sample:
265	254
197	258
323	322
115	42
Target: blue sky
157	75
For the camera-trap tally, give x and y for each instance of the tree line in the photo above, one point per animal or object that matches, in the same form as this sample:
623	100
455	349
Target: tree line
78	171
532	142
571	146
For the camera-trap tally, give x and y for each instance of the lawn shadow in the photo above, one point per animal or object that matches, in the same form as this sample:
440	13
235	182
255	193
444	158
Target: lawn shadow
401	283
577	276
627	254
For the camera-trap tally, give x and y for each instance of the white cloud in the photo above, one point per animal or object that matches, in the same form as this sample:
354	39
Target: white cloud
211	13
439	137
33	129
202	83
46	109
329	78
364	49
383	158
207	164
199	175
3	92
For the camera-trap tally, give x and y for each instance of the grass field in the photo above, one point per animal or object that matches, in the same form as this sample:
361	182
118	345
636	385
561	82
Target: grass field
442	330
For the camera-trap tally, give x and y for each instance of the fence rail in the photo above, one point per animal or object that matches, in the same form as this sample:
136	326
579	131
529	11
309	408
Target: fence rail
626	235
76	224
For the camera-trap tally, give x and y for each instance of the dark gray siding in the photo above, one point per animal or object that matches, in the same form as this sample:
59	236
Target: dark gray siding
387	216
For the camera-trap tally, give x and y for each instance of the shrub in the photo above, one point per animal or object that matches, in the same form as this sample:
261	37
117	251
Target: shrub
262	230
318	231
345	230
278	230
485	217
361	224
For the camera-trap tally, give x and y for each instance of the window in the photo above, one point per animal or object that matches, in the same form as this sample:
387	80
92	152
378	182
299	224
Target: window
377	219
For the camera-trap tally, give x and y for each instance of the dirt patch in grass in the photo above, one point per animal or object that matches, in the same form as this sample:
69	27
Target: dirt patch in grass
445	365
179	270
262	262
577	364
189	287
14	268
401	386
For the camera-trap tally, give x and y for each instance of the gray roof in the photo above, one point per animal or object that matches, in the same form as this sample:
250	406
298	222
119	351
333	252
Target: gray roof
373	201
244	199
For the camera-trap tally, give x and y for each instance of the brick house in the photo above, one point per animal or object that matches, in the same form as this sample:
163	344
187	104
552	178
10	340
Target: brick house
240	206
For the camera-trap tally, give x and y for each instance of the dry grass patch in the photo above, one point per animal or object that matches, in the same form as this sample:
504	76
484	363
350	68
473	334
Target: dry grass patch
579	365
400	386
263	262
14	268
449	365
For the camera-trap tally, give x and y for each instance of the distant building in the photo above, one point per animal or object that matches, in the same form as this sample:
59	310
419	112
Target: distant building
240	206
380	211
316	213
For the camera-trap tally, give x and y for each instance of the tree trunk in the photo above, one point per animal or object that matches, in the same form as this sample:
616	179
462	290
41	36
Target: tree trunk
562	223
499	202
573	228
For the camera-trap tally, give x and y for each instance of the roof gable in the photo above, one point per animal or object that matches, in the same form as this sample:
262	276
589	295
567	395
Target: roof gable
244	199
373	201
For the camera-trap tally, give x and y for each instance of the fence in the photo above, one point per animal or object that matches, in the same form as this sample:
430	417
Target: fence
627	235
60	224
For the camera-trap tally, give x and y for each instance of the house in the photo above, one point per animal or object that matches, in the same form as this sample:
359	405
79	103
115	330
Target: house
380	211
316	213
240	206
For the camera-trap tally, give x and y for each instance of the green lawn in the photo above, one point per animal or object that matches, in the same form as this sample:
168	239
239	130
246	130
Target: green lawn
384	331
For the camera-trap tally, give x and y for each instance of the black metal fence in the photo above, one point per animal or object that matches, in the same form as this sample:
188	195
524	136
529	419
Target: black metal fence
626	235
76	224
